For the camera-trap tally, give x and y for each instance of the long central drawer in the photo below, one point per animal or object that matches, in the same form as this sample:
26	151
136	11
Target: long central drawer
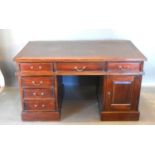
80	67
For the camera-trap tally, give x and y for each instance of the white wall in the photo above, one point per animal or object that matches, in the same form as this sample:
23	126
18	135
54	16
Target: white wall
83	19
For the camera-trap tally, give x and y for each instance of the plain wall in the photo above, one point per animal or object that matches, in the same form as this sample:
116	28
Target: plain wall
80	20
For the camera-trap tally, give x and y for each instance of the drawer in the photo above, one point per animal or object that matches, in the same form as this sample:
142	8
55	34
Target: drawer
39	105
124	66
37	81
36	67
80	67
38	93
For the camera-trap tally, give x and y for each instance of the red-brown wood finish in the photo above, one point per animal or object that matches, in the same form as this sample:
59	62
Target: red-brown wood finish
36	82
40	116
80	67
118	63
39	105
124	66
124	100
36	67
38	93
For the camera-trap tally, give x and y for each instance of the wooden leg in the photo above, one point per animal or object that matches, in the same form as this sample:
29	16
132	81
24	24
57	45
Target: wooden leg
41	116
119	116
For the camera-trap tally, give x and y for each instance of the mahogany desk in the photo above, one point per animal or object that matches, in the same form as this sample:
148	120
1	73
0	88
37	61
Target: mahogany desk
118	63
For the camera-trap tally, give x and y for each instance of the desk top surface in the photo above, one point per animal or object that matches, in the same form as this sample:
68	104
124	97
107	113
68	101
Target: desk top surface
106	50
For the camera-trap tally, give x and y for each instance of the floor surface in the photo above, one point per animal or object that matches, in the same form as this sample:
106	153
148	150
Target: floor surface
79	107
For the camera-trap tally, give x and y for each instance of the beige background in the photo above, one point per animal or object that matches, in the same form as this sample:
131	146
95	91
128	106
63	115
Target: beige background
7	51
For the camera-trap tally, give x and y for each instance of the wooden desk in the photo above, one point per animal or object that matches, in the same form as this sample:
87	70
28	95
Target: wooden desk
118	63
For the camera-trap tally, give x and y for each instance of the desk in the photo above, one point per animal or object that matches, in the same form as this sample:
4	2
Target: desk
41	64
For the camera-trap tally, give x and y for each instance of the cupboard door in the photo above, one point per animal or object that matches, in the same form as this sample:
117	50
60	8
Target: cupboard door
122	93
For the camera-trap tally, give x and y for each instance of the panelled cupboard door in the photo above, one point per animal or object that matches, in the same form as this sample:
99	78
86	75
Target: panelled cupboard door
122	93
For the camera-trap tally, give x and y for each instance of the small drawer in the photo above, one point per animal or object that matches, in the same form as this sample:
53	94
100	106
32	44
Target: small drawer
36	67
80	67
38	93
124	67
37	81
39	105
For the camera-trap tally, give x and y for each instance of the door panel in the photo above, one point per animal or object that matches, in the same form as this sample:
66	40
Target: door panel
120	93
125	92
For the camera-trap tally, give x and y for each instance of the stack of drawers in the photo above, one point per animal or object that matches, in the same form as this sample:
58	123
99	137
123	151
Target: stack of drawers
37	84
42	90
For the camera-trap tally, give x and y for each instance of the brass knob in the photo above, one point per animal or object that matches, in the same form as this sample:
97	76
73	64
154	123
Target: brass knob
34	94
109	93
35	105
41	82
40	67
43	105
31	67
120	67
42	93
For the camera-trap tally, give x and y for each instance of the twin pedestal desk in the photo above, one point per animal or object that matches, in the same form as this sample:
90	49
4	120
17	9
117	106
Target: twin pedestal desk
117	63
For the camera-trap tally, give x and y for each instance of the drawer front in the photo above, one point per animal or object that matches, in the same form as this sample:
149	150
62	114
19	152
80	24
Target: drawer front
124	67
80	67
38	93
36	67
37	81
39	105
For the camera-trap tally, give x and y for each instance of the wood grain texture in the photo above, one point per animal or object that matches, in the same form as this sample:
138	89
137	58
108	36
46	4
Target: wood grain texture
39	105
118	63
41	116
38	93
37	82
120	94
70	51
119	116
36	67
80	67
124	66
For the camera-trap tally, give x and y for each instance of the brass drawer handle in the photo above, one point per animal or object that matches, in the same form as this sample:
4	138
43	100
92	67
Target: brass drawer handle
31	67
34	94
43	105
123	68
37	84
35	105
80	69
42	94
109	93
40	67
